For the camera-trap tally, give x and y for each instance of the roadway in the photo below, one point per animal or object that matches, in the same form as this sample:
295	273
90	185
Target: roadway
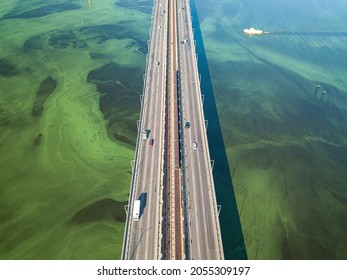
202	217
143	238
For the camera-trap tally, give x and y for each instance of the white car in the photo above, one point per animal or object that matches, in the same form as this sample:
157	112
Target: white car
195	145
145	134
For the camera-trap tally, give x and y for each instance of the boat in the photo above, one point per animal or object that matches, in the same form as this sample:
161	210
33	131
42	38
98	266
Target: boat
253	31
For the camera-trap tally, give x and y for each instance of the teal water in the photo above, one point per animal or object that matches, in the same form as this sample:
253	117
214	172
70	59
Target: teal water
282	104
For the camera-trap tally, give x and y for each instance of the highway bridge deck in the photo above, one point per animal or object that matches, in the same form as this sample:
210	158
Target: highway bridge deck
172	177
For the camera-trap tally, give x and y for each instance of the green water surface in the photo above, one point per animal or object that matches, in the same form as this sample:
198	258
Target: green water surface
70	80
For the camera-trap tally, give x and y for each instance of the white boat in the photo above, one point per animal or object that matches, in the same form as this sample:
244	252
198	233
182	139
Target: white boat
253	31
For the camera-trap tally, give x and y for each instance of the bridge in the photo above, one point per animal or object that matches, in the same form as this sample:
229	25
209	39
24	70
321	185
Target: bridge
172	172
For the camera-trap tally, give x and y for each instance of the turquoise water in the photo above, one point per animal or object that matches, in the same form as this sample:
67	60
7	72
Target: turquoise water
282	105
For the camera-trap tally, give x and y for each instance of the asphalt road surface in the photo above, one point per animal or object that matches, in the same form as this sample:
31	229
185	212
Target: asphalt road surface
143	237
203	222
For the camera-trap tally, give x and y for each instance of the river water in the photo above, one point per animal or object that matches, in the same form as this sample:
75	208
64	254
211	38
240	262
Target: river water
281	102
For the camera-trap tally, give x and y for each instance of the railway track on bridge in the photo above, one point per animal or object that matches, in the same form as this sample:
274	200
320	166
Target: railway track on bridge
173	231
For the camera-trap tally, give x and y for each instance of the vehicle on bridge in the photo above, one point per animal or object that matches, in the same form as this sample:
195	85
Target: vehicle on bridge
187	124
145	134
136	210
151	142
195	145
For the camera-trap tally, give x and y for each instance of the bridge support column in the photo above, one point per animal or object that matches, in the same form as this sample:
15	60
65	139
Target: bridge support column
206	124
212	164
219	208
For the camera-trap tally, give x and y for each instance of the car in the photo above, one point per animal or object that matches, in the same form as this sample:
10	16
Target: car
195	145
158	63
146	134
151	142
187	124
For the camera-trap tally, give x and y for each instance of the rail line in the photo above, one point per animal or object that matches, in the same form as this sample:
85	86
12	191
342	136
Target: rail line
173	232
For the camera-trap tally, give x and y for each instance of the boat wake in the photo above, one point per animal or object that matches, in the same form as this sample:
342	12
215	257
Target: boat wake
308	33
252	31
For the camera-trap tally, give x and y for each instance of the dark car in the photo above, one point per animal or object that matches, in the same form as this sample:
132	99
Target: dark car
151	142
187	124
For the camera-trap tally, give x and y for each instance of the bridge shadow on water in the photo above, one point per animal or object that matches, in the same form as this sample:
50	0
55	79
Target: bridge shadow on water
233	241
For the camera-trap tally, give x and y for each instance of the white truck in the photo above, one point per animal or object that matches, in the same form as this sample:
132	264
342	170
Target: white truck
136	210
